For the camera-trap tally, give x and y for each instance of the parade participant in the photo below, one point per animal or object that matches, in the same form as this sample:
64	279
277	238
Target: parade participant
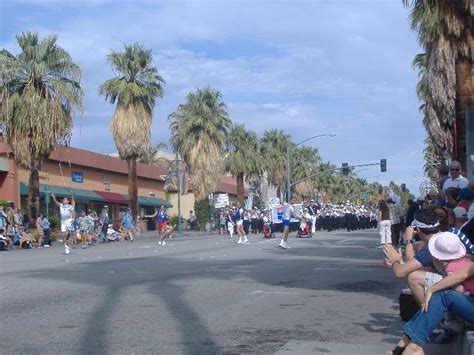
230	221
288	212
166	233
222	222
128	225
66	212
161	217
239	222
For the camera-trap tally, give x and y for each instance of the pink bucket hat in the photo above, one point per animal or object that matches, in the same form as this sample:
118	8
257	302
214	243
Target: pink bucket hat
446	246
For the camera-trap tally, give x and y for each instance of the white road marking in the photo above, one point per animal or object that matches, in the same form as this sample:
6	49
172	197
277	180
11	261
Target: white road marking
259	292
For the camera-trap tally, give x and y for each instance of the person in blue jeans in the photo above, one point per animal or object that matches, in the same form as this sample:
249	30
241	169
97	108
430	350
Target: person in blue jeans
438	300
47	232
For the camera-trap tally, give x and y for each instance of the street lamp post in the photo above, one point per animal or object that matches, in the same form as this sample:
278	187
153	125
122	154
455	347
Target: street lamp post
288	166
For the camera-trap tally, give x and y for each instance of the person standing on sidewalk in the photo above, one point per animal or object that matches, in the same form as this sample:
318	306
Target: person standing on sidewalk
40	229
395	221
47	232
384	224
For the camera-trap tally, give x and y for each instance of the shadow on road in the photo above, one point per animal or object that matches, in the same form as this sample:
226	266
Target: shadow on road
288	273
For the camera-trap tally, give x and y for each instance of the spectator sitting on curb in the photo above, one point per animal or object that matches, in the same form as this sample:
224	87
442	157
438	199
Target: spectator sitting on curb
425	224
436	303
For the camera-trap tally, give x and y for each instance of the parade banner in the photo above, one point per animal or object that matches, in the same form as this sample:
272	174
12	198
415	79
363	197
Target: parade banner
249	202
222	200
277	213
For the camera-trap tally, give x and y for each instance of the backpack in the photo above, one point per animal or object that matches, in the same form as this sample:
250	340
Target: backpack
408	305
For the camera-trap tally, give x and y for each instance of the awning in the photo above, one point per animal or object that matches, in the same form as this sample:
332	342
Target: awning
59	191
153	202
113	197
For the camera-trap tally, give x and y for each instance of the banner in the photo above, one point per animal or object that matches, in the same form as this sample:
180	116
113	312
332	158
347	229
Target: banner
249	202
222	200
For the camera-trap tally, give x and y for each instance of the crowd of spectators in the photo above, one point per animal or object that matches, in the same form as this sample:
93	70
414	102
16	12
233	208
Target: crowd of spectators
435	256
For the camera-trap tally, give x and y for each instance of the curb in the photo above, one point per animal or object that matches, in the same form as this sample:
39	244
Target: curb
468	343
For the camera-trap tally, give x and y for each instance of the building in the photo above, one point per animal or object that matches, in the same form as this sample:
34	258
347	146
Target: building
95	179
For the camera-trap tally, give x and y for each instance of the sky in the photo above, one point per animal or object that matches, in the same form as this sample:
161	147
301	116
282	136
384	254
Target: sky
307	67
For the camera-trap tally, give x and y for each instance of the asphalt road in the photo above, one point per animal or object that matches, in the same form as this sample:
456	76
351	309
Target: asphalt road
201	294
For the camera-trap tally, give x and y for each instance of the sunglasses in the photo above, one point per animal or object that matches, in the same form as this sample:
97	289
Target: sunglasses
454	169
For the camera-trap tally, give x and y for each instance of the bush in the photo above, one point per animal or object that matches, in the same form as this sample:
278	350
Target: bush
54	220
201	208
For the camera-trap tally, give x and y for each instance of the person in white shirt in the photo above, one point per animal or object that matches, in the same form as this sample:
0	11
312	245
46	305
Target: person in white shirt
288	212
66	211
456	179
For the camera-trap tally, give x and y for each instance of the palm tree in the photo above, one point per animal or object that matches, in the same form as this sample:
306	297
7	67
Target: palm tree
444	31
274	145
40	93
198	132
134	90
304	163
242	159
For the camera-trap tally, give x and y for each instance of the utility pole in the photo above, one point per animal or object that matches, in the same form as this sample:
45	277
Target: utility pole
178	190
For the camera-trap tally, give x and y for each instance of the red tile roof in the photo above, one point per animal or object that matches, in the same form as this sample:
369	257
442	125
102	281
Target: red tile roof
87	158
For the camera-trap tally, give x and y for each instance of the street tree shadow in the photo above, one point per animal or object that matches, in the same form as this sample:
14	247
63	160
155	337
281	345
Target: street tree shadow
288	273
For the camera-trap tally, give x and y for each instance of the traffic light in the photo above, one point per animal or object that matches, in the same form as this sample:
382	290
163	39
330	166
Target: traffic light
383	165
345	169
403	187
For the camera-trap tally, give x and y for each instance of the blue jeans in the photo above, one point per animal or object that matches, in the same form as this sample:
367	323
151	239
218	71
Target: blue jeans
420	326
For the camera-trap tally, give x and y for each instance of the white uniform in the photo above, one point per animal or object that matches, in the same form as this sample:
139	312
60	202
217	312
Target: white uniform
66	217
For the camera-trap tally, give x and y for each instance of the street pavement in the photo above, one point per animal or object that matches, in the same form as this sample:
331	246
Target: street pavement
201	294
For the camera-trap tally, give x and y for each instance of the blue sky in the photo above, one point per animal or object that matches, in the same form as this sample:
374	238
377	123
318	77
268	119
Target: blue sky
304	66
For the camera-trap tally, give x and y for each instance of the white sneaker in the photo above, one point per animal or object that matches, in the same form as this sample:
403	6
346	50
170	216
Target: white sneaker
159	242
239	241
246	241
46	246
163	243
283	245
84	247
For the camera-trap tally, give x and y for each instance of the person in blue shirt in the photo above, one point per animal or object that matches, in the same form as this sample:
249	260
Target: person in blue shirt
162	220
47	232
127	225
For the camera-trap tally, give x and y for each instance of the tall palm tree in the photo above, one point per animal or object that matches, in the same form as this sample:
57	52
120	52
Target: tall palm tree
40	93
198	132
304	163
134	90
242	159
444	31
273	145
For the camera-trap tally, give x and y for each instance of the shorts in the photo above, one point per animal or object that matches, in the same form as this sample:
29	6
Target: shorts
430	279
66	225
162	226
40	232
240	222
286	222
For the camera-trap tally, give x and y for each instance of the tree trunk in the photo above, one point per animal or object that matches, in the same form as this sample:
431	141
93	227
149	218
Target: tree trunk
132	186
240	188
279	194
464	101
33	196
